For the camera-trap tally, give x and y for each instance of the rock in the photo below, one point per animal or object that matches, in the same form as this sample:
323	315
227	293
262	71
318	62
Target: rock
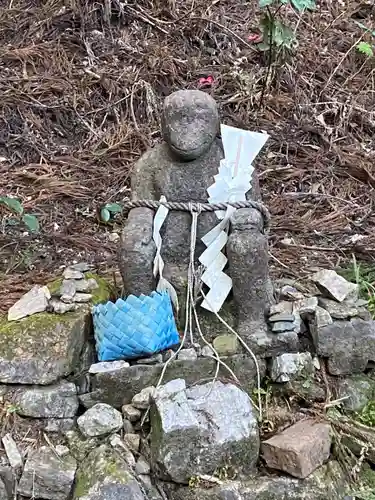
72	274
82	267
290	366
328	482
300	449
86	285
307	306
100	420
82	298
68	290
336	310
282	326
226	345
348	345
187	354
153	360
357	390
12	452
170	389
133	441
79	445
334	286
120	387
267	344
196	430
59	307
113	237
131	413
62	450
320	319
8	478
142	466
282	307
34	301
43	348
104	475
128	427
47	476
59	425
53	401
4	494
108	366
122	449
143	399
290	293
281	317
207	351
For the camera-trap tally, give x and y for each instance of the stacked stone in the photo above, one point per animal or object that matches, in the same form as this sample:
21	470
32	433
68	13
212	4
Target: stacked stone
74	290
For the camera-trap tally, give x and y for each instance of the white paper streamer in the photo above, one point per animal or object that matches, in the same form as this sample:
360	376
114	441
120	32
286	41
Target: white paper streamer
163	284
231	184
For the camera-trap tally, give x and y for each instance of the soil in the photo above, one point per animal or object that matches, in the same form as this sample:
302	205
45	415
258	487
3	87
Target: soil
81	86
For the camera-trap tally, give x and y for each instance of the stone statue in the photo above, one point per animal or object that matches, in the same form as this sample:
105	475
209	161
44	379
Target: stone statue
181	169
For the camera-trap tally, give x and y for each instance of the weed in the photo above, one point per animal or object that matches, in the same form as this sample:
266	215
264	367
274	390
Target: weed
16	207
364	276
367	415
278	38
365	48
109	210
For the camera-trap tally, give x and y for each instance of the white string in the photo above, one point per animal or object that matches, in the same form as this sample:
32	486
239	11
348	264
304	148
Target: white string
190	310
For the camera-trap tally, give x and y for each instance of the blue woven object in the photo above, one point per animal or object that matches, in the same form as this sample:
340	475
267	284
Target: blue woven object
134	328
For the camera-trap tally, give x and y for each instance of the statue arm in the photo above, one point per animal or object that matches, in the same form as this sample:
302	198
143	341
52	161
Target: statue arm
137	247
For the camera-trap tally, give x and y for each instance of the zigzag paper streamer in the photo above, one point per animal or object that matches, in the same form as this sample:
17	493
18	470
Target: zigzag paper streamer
163	284
231	184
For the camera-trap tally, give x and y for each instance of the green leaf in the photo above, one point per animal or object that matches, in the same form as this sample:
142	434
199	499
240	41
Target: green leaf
114	208
31	222
301	5
365	48
105	215
12	203
265	3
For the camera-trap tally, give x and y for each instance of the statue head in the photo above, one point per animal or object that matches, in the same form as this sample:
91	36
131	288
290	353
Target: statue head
190	123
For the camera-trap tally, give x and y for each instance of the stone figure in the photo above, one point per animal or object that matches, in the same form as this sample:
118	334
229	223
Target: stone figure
181	169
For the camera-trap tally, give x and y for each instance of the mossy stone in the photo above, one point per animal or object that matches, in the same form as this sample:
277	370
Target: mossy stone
42	348
104	469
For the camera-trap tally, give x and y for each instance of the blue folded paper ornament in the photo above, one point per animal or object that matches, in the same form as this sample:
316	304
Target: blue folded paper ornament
134	328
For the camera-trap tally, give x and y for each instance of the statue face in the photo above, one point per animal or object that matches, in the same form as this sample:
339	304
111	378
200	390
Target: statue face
190	122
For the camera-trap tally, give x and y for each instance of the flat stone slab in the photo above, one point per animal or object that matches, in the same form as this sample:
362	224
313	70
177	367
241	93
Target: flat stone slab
34	301
300	449
334	286
198	430
47	476
43	348
119	387
53	401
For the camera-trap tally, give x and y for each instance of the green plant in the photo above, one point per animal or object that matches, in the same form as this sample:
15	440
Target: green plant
367	415
16	207
278	38
364	276
109	210
365	48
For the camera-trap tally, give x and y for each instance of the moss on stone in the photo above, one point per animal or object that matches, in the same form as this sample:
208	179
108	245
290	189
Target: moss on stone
103	293
102	463
14	334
